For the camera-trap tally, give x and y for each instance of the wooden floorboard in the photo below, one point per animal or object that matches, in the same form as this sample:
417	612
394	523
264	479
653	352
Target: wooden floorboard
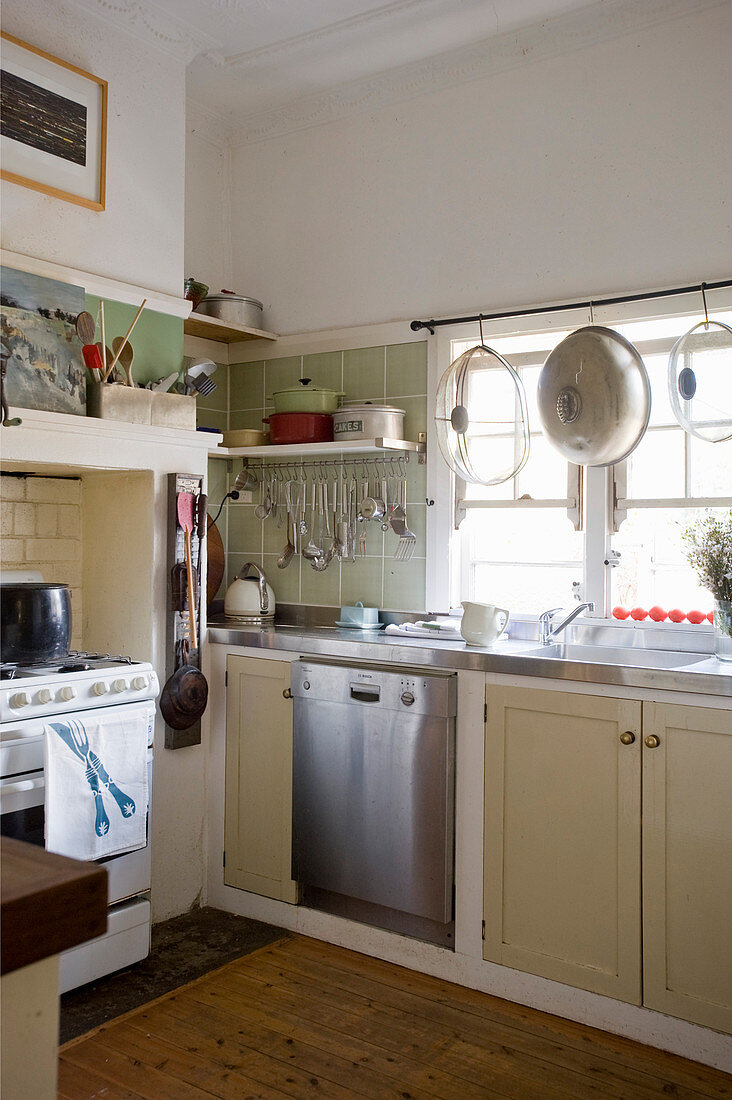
302	1018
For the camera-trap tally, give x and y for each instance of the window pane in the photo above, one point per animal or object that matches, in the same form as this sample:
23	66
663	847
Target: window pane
661	412
527	590
656	466
523	535
544	477
711	468
653	569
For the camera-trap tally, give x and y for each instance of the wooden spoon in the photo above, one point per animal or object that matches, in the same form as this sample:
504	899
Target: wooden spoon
124	354
186	506
85	328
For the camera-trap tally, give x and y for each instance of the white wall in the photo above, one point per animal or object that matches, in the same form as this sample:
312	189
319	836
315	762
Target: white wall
603	169
208	212
138	238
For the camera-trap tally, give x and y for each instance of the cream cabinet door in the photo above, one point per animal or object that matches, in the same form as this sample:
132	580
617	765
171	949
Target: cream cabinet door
562	838
687	863
258	811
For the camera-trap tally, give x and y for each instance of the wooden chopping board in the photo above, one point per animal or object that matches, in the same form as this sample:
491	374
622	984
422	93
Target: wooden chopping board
216	561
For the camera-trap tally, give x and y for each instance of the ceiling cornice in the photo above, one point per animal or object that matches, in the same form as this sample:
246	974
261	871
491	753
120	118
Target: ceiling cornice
562	34
151	24
290	45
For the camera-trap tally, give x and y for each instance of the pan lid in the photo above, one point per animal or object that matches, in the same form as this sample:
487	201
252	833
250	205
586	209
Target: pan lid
594	397
700	381
229	296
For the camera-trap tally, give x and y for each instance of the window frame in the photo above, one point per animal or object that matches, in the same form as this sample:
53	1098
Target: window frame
602	502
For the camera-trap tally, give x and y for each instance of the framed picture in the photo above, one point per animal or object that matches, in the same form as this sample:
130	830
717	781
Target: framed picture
53	125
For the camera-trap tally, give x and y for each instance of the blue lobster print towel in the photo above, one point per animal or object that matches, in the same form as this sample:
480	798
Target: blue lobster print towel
96	783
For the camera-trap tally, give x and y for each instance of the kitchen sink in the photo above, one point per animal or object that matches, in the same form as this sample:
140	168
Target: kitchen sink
616	655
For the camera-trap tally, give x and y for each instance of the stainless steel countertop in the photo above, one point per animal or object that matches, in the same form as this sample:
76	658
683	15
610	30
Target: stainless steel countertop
705	676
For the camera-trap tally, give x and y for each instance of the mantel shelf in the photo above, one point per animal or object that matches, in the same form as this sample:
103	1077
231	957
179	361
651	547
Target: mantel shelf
301	450
210	328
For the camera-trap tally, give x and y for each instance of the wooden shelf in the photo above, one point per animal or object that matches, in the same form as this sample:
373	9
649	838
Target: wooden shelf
210	328
302	450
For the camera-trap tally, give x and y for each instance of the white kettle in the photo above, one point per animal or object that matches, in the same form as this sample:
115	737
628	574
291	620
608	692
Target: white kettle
481	623
249	598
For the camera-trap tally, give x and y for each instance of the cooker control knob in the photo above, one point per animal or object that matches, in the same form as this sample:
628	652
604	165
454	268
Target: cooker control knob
100	688
407	698
44	696
66	694
119	685
139	683
20	699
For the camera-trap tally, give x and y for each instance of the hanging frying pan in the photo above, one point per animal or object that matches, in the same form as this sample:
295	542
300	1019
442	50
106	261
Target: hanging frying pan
594	397
185	694
700	381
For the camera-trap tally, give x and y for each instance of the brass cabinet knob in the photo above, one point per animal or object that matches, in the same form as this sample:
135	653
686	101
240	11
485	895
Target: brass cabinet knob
627	738
287	694
652	742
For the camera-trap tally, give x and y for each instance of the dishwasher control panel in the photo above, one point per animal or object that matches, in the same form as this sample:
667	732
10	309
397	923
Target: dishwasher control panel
378	686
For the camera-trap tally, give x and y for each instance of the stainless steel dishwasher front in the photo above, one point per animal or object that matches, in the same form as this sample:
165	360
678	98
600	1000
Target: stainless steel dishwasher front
373	793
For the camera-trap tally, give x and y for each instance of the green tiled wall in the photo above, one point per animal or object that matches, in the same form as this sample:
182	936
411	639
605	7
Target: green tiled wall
396	374
157	339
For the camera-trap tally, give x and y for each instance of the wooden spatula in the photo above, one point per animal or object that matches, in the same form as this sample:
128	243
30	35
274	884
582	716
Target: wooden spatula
186	507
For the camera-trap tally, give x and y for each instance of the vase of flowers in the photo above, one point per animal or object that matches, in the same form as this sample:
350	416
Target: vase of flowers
709	552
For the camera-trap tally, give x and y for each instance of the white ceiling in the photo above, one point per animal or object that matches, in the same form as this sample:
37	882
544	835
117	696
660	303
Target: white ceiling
249	57
259	66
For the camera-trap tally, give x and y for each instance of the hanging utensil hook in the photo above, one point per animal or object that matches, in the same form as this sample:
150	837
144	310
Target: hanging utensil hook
703	288
480	325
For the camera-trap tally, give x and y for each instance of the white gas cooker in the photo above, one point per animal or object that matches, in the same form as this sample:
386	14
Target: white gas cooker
82	685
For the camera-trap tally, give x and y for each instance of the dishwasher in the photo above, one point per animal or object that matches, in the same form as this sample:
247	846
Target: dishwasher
373	828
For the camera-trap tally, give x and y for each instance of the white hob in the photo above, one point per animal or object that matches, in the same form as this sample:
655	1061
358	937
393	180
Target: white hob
79	682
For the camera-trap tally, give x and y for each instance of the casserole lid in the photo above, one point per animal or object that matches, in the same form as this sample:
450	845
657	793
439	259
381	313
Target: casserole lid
306	386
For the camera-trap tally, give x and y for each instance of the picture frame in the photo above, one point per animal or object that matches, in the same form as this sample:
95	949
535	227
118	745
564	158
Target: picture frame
53	125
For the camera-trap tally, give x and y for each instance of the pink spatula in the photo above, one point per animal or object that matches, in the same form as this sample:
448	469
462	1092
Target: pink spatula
186	505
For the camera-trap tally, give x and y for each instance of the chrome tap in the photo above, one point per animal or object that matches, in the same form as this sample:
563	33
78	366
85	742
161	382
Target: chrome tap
547	632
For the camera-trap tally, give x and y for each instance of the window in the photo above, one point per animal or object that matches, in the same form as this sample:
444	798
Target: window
557	532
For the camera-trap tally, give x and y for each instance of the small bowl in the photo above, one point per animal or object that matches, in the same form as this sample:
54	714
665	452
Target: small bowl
195	292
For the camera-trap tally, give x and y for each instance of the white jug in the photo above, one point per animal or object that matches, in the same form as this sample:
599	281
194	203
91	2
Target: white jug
481	623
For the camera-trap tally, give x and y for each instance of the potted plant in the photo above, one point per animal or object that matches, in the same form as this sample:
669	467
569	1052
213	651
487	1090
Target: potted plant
709	552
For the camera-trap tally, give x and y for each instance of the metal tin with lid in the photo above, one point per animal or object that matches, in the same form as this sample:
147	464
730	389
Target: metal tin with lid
234	308
368	421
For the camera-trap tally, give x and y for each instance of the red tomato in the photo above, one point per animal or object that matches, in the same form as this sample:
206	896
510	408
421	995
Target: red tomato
639	614
658	614
696	617
677	616
710	616
620	613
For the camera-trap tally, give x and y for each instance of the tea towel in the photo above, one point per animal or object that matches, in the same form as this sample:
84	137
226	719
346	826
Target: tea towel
96	797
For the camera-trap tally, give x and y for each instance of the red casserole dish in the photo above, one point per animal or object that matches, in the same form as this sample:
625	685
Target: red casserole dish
300	427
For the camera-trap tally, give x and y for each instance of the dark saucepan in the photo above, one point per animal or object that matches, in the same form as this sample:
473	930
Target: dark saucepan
35	620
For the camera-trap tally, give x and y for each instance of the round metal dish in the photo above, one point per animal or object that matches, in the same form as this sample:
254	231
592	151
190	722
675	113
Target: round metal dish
594	397
700	381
